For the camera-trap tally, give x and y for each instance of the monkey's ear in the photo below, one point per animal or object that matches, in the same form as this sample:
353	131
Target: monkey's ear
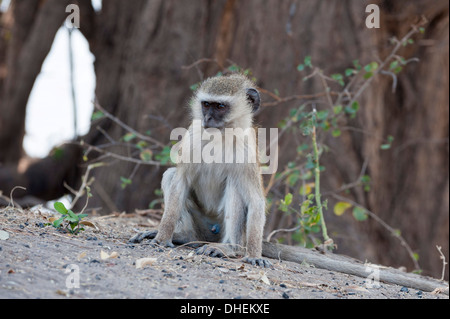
254	98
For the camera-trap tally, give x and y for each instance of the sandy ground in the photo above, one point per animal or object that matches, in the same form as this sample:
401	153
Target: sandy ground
38	261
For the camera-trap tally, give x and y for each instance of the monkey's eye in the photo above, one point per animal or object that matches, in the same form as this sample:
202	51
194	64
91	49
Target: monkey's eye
221	106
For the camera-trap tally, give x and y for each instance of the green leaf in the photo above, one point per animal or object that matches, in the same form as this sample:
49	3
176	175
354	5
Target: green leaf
355	106
306	189
371	67
300	67
337	109
128	137
57	223
57	153
341	207
368	75
322	115
125	182
304	206
360	214
234	68
288	199
72	217
357	65
194	86
393	65
397	70
146	155
97	115
350	72
293	178
336	133
141	145
60	208
307	61
339	78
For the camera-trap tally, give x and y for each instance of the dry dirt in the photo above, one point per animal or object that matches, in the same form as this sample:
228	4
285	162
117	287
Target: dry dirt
35	262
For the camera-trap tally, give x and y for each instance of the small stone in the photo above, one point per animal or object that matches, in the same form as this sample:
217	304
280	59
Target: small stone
4	235
404	289
285	295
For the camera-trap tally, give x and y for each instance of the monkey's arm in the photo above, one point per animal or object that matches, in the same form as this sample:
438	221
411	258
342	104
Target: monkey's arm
255	218
175	190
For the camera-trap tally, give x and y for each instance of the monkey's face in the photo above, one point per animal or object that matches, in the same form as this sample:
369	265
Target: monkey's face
226	102
214	114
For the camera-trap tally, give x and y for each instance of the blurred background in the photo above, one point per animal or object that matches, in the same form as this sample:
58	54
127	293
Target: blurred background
386	156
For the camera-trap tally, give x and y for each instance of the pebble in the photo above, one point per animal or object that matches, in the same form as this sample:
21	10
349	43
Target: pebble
285	295
4	235
404	289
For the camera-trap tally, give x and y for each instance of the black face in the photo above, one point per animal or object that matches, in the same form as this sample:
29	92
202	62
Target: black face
214	114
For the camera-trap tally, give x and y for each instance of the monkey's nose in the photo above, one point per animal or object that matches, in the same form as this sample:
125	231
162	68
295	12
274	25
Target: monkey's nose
207	121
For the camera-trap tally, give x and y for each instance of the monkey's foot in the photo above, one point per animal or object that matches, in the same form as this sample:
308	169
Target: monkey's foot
215	251
138	238
163	243
258	262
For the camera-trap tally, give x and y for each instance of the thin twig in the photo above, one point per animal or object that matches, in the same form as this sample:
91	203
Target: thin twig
383	223
85	183
327	240
119	157
128	128
444	263
269	237
398	46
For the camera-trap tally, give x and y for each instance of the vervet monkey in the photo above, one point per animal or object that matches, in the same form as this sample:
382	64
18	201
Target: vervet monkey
220	202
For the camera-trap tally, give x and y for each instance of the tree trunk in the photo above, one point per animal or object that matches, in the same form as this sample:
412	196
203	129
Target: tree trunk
141	51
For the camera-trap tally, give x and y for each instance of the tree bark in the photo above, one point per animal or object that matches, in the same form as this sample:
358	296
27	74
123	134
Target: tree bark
32	34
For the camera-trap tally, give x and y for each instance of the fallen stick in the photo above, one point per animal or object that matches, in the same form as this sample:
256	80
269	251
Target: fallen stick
351	266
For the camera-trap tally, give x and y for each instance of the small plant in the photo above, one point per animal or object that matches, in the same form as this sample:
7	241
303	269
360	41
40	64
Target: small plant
69	218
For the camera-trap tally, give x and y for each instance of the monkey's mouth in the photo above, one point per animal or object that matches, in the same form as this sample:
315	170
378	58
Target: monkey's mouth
212	124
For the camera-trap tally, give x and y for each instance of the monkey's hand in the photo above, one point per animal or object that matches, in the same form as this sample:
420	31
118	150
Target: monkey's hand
258	262
138	238
216	250
164	243
151	235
